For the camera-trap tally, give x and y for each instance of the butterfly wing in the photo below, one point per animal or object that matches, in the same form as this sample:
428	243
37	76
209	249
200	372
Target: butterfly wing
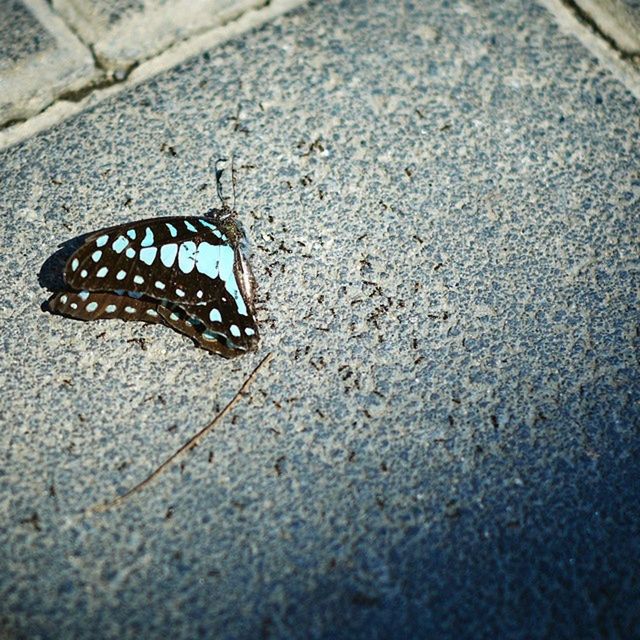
91	305
189	271
174	258
225	341
212	336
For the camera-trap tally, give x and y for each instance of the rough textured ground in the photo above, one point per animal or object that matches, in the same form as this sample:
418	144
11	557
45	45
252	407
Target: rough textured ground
443	206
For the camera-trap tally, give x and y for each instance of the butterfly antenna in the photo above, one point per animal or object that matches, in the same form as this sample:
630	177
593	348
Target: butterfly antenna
233	182
219	182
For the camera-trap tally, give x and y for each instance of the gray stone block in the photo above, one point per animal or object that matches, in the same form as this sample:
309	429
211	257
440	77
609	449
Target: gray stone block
40	59
618	19
22	36
123	32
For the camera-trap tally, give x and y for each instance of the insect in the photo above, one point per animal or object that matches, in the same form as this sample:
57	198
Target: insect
189	273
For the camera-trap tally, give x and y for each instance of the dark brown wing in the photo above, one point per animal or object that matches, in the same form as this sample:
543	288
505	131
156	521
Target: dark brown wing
188	272
181	259
212	336
91	305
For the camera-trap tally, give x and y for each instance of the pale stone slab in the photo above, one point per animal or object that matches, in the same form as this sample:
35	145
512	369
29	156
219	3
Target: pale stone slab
124	32
618	19
40	59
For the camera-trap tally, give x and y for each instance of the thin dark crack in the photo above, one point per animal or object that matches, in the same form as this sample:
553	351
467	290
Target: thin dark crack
12	123
105	81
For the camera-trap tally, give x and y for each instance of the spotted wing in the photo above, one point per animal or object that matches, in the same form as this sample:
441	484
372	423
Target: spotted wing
188	271
190	259
91	305
211	335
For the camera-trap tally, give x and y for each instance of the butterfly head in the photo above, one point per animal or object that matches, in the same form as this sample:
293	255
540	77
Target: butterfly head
227	221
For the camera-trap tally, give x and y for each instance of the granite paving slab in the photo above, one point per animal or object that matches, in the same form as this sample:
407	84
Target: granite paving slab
124	32
40	59
442	202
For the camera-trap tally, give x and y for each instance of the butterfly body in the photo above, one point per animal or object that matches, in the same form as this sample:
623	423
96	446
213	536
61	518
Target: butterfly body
189	273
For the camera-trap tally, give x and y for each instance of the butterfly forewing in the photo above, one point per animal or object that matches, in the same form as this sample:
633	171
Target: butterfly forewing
178	259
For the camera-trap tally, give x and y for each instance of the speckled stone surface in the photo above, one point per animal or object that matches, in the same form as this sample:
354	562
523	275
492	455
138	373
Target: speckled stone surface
40	58
124	32
443	205
26	38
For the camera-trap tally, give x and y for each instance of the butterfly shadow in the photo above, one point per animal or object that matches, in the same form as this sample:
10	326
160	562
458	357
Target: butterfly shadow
51	274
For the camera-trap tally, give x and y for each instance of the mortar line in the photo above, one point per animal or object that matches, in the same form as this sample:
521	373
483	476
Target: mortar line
586	18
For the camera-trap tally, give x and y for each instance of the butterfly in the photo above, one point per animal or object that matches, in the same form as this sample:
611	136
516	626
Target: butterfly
189	273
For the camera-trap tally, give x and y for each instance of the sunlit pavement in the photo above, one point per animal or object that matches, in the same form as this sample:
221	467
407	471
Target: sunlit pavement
442	205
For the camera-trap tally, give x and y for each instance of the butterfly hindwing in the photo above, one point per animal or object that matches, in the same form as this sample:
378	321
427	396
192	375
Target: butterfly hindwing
205	336
221	324
91	305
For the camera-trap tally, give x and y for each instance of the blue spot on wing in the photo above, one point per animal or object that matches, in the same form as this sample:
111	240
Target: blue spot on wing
148	238
208	258
186	256
148	255
172	230
168	253
120	244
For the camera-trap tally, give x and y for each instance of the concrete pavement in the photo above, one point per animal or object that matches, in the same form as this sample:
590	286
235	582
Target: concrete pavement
442	201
